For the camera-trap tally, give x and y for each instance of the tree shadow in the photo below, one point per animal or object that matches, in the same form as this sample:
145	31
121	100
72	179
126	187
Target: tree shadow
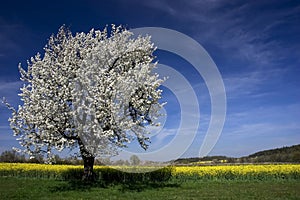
137	186
77	185
111	178
140	186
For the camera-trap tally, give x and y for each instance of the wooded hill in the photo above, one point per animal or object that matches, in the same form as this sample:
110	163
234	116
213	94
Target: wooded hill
285	154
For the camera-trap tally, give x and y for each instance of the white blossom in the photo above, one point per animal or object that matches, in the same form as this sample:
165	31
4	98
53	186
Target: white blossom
93	90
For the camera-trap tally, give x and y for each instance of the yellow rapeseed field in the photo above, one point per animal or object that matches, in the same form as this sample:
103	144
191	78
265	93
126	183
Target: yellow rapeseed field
240	171
34	170
211	172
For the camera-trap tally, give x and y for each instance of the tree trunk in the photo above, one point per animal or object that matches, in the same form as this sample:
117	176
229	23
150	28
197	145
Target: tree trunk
88	172
88	163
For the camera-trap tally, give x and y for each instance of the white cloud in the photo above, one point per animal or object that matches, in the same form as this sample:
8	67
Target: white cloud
8	86
263	121
250	84
8	36
251	129
235	26
6	134
264	129
9	90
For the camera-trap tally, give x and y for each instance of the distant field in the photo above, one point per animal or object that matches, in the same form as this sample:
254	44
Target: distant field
36	181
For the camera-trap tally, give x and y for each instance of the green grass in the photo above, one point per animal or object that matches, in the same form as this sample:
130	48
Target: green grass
30	188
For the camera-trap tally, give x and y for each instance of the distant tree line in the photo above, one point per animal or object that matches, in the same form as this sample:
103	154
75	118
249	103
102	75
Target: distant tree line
285	154
15	157
12	157
206	159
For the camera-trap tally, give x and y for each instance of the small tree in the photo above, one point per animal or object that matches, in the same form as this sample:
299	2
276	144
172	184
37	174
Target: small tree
95	91
134	160
12	156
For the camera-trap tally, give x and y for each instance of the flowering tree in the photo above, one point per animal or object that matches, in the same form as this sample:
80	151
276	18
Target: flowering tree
95	91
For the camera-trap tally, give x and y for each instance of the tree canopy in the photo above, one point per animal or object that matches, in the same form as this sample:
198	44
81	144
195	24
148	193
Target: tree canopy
94	90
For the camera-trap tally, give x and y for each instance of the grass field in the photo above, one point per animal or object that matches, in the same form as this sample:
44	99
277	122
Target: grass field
24	181
25	188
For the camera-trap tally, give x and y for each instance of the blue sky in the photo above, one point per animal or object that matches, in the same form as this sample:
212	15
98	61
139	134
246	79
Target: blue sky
255	45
